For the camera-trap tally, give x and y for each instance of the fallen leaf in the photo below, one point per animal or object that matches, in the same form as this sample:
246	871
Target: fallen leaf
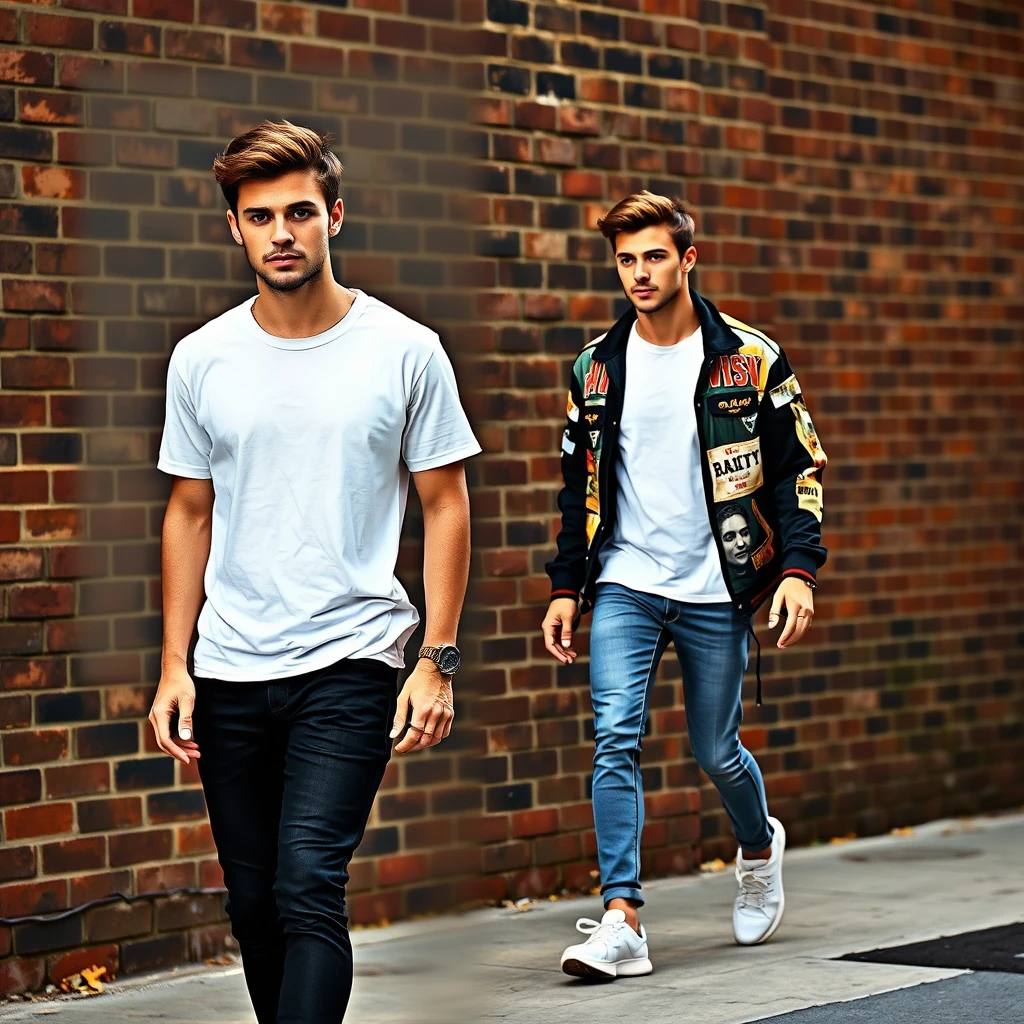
905	831
713	865
91	976
839	840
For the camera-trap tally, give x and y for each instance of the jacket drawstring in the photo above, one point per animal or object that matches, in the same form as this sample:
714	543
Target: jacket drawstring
748	621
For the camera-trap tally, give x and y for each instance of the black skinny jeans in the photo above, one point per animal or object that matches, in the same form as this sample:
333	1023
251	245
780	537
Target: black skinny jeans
290	768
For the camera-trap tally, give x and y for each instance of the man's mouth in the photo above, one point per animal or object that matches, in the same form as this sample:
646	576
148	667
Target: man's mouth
282	260
643	291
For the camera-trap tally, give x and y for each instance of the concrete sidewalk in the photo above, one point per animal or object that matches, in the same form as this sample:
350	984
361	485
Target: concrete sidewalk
502	965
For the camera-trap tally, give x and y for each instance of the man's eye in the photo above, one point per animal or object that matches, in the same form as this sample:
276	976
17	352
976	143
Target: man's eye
302	213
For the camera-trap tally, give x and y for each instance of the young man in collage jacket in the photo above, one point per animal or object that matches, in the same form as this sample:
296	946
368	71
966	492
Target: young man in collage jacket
690	498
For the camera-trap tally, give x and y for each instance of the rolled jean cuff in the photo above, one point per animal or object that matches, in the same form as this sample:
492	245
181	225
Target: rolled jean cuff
622	892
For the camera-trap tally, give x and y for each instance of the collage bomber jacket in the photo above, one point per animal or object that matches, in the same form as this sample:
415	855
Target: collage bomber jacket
762	468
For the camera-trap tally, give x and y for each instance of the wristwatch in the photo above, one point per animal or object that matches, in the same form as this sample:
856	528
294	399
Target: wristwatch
446	657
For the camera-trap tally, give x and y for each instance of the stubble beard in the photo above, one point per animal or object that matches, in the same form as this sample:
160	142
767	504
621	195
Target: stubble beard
660	306
289	284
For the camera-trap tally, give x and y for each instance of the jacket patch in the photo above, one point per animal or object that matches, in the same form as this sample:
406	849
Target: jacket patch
736	469
765	551
750	422
572	410
785	392
741	370
593	494
729	403
807	434
568	446
808	494
596	381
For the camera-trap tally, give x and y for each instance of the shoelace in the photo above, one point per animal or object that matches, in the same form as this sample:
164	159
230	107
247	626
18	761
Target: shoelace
754	891
598	931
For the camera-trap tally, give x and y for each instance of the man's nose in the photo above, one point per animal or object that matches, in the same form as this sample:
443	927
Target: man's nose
281	232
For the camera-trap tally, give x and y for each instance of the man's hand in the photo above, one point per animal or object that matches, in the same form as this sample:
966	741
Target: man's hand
797	598
176	693
426	702
557	629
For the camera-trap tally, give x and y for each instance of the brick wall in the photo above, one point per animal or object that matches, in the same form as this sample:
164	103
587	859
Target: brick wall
855	171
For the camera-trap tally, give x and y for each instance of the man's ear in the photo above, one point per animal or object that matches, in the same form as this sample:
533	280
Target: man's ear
335	218
233	225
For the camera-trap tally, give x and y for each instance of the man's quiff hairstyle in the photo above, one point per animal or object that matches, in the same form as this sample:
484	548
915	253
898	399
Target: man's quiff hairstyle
646	209
274	148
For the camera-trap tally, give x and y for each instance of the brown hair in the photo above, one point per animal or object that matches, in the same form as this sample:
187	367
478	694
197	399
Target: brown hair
274	148
644	210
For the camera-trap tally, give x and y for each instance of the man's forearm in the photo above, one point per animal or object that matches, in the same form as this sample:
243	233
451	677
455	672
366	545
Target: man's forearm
184	554
446	550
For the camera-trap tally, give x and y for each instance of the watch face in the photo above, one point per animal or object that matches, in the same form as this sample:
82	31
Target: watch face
449	660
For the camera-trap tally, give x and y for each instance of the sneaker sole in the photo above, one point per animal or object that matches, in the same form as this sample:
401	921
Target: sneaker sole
578	968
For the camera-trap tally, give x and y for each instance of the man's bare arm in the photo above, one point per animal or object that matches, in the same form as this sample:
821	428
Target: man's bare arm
444	497
188	523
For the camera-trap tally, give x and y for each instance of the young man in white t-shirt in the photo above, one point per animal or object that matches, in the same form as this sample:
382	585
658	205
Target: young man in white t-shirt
294	423
691	495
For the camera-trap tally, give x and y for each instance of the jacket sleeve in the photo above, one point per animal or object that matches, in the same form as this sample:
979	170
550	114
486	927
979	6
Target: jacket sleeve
794	464
568	568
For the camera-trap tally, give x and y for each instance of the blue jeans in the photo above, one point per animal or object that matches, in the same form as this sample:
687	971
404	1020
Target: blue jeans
289	769
628	635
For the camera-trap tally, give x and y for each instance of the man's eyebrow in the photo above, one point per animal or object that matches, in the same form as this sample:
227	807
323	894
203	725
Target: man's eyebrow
649	252
290	206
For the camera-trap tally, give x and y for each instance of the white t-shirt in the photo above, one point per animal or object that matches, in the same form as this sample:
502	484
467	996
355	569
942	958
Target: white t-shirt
662	542
309	443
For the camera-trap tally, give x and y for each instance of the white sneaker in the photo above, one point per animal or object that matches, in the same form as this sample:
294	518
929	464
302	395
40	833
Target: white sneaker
757	912
613	950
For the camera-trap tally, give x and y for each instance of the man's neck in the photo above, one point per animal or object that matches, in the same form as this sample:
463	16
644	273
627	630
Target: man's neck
670	324
305	312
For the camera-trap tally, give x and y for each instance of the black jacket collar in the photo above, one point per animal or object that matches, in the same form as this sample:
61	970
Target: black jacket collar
718	338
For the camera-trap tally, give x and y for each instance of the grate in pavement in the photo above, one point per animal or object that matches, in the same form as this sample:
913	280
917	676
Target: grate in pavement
990	949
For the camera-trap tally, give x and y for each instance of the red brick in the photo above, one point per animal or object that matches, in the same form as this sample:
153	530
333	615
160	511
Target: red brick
77	780
65	635
17	862
54	524
164	10
136	847
33	898
73	855
20	564
78	560
66	965
59	30
162	877
20	787
317	60
28	67
22	974
35	747
35	371
19	487
401	870
95	886
193	45
22	410
45	600
350	28
43	820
